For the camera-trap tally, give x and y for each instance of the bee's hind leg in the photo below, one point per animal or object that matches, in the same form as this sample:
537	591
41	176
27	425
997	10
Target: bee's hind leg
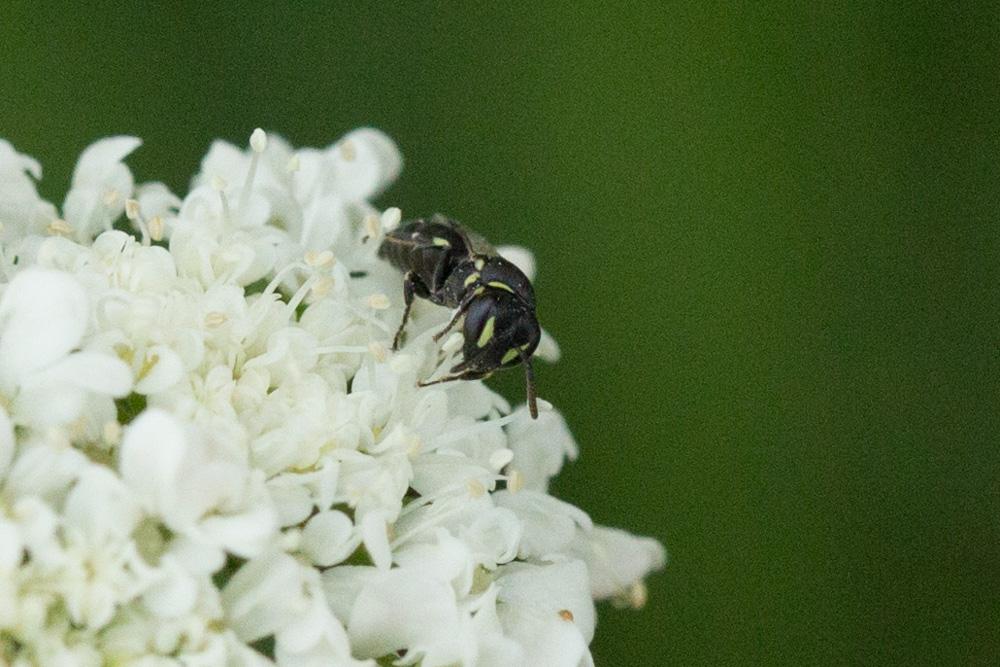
412	287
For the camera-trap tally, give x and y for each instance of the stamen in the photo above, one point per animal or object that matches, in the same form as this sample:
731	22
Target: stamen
476	488
132	213
131	209
341	349
321	288
379	351
373	227
378	301
219	185
215	319
366	315
112	432
515	481
279	276
436	516
148	364
638	595
258	142
460	433
566	615
320	260
348	150
156	228
300	294
59	227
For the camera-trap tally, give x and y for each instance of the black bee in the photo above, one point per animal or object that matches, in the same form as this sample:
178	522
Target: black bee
455	267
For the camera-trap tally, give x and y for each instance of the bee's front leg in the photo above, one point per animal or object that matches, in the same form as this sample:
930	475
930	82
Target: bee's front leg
462	307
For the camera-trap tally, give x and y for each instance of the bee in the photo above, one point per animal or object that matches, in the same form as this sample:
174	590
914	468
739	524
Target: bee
452	266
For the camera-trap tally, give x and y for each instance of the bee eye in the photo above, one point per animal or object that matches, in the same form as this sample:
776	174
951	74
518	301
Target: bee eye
480	322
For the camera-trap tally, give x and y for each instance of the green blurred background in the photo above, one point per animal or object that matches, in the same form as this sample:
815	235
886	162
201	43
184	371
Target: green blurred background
767	239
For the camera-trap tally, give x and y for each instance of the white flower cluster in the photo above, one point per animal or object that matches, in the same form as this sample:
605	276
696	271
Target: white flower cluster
208	455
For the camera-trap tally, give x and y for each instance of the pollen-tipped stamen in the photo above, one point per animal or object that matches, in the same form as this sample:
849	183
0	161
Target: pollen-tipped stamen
258	143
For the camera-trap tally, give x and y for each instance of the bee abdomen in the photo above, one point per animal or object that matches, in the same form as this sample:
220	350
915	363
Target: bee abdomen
429	249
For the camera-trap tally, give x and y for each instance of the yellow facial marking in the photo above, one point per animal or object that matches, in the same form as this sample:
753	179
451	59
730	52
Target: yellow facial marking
509	355
479	290
443	243
473	277
499	285
487	333
480	264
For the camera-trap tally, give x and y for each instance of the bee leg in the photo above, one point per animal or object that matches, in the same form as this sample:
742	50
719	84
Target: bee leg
462	307
529	379
411	287
468	375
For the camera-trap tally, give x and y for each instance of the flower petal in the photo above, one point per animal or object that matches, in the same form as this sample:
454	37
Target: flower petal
618	561
101	505
43	315
264	596
548	610
540	446
152	454
92	371
365	162
328	538
402	609
100	159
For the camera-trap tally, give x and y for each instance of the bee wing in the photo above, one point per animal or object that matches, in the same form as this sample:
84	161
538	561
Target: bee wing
474	243
477	244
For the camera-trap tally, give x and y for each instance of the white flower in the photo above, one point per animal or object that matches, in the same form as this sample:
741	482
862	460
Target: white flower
43	318
101	185
539	448
547	609
617	562
22	211
199	488
209	455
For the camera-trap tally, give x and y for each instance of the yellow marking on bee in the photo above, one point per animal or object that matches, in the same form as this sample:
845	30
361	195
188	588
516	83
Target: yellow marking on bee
500	285
479	290
526	346
443	243
487	333
509	355
473	277
480	264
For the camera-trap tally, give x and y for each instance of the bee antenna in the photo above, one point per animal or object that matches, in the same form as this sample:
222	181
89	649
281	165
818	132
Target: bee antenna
529	377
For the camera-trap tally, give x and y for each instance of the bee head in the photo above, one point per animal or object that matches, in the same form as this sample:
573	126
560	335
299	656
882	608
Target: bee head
500	330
